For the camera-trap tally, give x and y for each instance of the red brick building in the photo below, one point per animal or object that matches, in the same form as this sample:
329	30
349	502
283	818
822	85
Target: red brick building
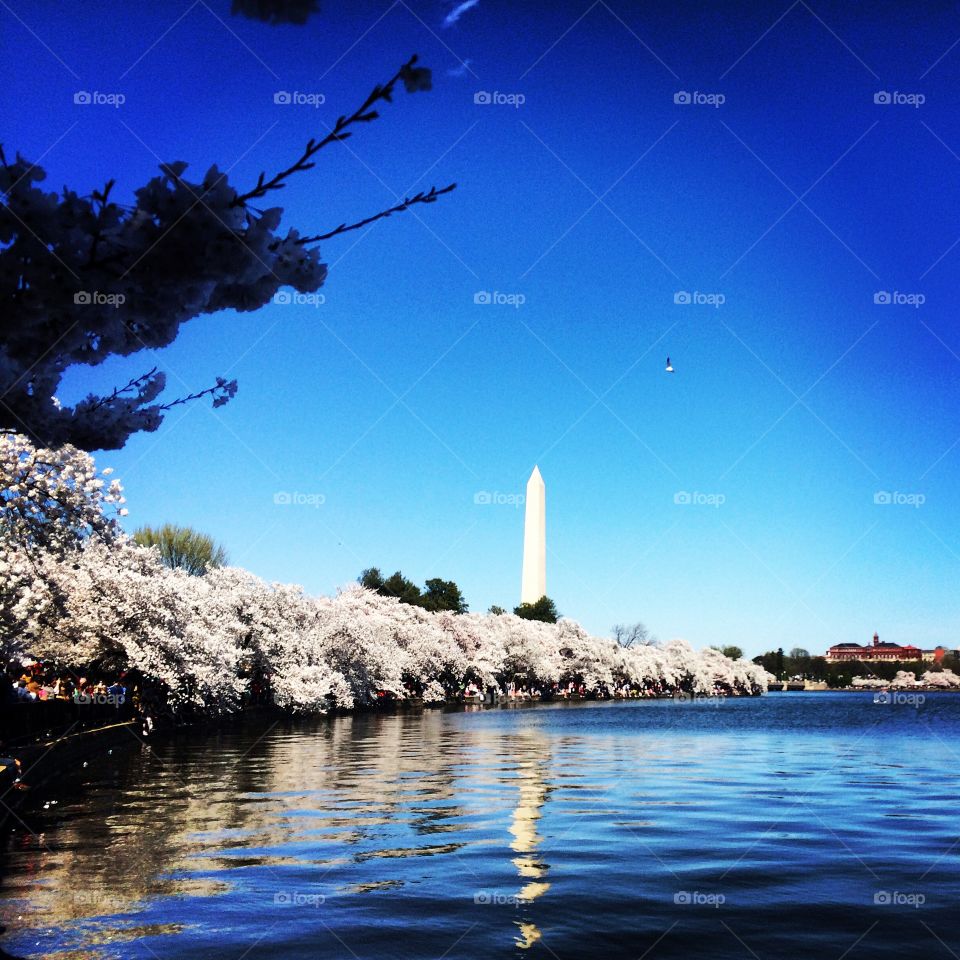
873	652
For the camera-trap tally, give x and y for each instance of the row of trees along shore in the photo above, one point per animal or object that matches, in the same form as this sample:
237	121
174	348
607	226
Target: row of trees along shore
75	590
798	664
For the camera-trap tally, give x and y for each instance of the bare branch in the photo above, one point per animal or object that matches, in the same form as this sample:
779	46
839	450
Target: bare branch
222	391
429	197
412	78
135	384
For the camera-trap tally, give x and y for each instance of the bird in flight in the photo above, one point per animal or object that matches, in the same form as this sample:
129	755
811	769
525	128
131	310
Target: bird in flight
669	366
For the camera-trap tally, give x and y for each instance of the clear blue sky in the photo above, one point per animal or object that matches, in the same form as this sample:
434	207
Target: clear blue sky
597	199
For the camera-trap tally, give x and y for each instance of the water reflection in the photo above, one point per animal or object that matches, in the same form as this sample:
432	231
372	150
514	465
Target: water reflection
534	758
382	832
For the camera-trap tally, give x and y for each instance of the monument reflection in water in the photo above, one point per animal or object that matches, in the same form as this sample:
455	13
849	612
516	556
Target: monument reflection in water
533	760
799	824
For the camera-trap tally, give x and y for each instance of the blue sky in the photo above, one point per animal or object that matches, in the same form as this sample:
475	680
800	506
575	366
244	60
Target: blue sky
595	201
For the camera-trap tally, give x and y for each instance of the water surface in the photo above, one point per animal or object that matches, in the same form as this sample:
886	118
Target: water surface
819	825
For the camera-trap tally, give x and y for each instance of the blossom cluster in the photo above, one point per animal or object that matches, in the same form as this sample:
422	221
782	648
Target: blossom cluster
84	278
904	679
95	596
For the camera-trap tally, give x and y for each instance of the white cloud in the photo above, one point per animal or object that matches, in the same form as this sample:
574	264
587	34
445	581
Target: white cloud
458	11
461	70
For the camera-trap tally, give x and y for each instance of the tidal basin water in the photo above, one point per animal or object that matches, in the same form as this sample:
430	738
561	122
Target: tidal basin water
793	825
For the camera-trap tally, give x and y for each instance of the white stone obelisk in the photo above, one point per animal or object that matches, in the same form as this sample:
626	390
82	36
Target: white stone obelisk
534	583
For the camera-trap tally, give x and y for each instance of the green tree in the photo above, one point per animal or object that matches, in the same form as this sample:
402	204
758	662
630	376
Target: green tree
183	547
404	589
371	578
496	611
544	609
732	651
438	595
396	585
443	595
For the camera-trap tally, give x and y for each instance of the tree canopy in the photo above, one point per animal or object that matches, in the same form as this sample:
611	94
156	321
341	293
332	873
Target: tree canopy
544	609
443	595
183	547
438	595
731	650
86	277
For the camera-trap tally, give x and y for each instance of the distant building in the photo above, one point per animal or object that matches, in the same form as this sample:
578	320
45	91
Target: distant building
878	651
937	654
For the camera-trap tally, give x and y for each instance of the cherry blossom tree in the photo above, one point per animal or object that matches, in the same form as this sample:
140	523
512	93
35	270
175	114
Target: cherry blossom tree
86	277
75	590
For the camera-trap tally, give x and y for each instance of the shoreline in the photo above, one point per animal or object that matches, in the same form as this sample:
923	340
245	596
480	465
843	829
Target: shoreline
43	758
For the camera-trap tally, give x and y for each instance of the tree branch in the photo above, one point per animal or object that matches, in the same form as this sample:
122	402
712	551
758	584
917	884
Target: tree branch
134	384
429	197
413	79
222	391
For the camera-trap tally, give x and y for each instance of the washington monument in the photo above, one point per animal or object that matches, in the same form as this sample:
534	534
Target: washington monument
534	583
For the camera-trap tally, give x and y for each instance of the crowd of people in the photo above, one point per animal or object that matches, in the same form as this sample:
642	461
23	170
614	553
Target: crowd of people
41	700
79	593
40	681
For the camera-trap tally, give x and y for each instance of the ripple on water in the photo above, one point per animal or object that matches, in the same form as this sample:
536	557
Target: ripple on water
767	827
